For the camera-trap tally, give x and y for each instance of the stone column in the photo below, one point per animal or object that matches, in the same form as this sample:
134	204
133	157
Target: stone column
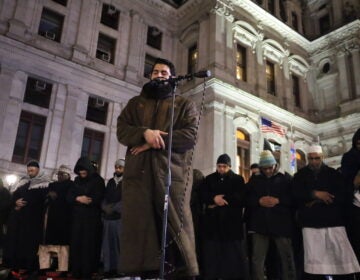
85	30
11	99
343	77
72	130
20	24
136	56
355	54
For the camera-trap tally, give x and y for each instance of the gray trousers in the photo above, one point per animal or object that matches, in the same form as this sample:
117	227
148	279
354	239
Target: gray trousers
260	245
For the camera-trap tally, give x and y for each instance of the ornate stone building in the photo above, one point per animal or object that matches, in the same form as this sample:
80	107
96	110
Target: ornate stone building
68	67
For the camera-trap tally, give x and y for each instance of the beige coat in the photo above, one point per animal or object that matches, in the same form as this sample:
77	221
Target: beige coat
144	184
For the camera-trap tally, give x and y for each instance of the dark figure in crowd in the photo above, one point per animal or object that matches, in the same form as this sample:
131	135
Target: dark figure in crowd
86	197
321	196
25	224
143	127
254	169
269	201
112	222
5	205
57	222
224	254
197	210
350	168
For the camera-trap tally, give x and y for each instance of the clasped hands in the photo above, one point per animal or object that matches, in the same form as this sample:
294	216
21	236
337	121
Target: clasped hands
268	201
154	139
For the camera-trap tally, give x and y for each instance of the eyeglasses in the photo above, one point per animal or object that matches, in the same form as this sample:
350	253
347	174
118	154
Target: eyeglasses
314	158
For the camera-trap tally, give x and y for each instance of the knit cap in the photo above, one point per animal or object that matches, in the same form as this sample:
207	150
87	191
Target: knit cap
120	162
266	159
224	159
64	169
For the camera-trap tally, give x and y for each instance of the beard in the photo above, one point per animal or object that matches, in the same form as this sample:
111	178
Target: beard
156	89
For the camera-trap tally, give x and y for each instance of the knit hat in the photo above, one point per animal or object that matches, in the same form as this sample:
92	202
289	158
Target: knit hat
64	169
224	159
266	159
315	149
33	163
120	162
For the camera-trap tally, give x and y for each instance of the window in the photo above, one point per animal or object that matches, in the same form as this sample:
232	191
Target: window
241	63
110	16
271	6
106	48
51	24
270	78
192	59
296	90
29	137
154	37
243	153
38	92
149	63
97	110
300	159
294	20
61	2
324	24
92	145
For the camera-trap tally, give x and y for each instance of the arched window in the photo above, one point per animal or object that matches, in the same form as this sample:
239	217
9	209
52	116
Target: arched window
243	153
300	159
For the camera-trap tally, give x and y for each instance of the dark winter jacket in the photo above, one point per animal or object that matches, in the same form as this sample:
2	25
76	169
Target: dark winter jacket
350	162
59	211
312	212
223	222
112	200
277	220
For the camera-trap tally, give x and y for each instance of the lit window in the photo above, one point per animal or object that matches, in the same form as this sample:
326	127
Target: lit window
270	78
110	16
38	92
154	37
106	48
192	59
29	137
241	63
243	153
51	25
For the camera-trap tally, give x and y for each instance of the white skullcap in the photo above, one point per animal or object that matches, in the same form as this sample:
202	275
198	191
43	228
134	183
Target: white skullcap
64	169
120	162
315	149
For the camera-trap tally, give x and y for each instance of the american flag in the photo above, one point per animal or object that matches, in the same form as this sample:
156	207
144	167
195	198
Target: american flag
270	126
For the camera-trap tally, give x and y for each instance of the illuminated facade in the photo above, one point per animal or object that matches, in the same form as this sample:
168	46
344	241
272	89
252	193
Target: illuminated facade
68	67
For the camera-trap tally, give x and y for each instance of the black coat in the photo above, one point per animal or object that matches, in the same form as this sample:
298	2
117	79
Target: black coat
350	162
25	229
59	213
112	200
313	212
5	205
85	241
223	222
277	220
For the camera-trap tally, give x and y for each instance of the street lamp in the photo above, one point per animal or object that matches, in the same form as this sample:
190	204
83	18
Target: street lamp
11	179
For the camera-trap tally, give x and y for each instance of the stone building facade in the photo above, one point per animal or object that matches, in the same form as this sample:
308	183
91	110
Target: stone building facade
68	67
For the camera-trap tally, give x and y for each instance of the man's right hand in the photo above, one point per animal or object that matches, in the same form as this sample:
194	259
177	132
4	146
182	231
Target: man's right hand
328	198
83	199
219	200
154	138
20	203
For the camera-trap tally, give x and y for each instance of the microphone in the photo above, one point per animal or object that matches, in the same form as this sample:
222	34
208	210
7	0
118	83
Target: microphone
172	80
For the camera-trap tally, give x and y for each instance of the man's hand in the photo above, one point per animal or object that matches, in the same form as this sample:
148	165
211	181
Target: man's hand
219	200
326	197
53	195
268	201
83	199
20	203
154	138
139	149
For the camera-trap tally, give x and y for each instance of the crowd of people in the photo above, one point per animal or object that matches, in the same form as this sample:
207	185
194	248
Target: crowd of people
275	226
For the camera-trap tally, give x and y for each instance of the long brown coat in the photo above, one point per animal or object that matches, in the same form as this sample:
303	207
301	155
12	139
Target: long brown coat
144	184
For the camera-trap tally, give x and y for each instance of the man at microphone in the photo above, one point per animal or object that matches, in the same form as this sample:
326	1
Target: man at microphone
143	127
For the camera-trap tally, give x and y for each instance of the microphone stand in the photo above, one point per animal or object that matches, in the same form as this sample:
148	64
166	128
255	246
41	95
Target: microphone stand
167	184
